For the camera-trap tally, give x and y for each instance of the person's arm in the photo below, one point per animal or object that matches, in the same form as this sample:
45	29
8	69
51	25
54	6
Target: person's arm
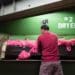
39	45
3	50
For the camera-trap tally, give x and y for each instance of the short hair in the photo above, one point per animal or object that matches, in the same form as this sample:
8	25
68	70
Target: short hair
45	27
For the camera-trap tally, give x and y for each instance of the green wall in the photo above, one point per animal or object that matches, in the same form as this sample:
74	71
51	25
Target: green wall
30	27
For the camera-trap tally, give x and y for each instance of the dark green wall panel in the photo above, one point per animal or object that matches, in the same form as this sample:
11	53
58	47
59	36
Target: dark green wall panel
2	28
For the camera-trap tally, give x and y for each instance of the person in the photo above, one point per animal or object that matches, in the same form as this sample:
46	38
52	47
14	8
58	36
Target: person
3	46
48	48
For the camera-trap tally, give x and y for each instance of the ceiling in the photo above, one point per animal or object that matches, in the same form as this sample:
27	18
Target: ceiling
6	2
42	10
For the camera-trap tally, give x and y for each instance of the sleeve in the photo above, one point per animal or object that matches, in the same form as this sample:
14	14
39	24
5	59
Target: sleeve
56	39
39	46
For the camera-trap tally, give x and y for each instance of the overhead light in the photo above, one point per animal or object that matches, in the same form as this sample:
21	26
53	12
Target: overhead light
36	3
53	1
49	1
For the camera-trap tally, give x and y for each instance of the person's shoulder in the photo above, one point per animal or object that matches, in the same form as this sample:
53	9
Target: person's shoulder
40	36
53	34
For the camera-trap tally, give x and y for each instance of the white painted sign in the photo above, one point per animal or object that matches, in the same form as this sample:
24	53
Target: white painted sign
68	23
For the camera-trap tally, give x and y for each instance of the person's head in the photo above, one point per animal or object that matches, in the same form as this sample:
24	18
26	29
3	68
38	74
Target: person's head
44	28
26	39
